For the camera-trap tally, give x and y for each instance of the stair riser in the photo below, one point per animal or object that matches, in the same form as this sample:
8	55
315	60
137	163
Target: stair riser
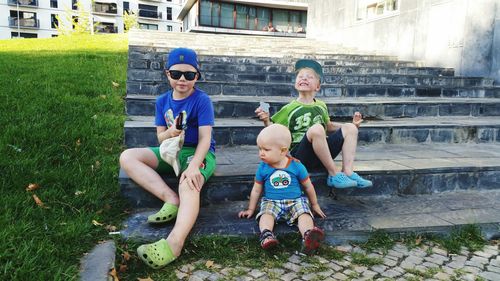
146	136
137	53
327	90
135	75
246	109
327	70
223	189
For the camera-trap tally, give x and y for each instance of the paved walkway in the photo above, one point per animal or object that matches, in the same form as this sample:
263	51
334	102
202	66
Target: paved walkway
425	262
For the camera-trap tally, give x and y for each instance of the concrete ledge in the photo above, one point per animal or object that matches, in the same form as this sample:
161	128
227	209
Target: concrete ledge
96	265
351	218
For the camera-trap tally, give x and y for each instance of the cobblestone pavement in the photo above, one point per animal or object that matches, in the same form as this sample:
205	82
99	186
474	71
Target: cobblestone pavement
426	262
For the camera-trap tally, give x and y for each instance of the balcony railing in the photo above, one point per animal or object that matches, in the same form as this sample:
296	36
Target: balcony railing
24	23
30	3
108	10
107	29
149	14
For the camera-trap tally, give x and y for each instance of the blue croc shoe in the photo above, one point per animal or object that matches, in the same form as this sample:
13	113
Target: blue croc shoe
340	180
361	182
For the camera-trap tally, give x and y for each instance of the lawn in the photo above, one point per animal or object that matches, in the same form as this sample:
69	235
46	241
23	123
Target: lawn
61	118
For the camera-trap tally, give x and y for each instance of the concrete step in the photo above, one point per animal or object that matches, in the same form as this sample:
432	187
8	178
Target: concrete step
349	218
395	169
372	108
155	84
217	44
341	68
140	131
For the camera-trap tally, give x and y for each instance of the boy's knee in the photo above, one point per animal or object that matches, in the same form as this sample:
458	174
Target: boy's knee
349	128
316	130
125	157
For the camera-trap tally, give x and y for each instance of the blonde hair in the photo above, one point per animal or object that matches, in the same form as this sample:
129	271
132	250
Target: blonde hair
276	133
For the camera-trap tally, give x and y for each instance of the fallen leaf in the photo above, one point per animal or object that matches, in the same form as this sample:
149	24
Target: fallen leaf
96	223
78	192
39	202
78	142
110	227
116	85
123	268
126	256
32	186
113	274
104	97
145	279
418	241
209	264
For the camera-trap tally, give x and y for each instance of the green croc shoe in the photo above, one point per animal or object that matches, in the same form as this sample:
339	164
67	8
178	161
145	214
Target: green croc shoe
167	213
157	254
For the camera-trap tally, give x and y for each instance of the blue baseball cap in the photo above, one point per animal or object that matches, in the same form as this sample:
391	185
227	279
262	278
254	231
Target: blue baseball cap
314	65
183	56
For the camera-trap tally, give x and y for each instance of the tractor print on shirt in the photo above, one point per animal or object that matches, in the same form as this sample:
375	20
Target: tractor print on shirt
280	179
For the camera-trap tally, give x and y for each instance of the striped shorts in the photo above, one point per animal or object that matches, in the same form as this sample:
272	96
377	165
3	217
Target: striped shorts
285	209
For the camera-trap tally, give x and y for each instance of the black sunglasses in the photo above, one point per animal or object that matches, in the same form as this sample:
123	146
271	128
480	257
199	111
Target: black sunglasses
176	74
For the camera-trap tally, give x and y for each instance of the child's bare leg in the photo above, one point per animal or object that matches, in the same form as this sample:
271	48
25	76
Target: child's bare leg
186	217
350	134
266	221
317	136
304	223
139	163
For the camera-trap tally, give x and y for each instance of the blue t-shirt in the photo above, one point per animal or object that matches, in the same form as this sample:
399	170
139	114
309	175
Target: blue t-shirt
197	109
282	183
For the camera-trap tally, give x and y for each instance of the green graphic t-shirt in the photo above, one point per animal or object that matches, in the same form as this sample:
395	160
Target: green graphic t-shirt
299	117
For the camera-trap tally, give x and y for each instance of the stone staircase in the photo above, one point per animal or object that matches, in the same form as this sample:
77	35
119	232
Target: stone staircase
428	135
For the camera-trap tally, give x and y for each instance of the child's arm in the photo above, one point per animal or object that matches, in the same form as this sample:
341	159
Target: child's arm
254	198
263	116
311	195
192	173
162	133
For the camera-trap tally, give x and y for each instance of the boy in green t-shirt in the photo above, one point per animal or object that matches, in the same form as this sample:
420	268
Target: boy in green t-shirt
316	140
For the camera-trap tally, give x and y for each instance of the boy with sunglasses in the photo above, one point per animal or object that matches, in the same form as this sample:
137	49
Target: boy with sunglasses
316	140
192	109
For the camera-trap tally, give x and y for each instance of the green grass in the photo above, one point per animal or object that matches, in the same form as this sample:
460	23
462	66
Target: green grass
62	128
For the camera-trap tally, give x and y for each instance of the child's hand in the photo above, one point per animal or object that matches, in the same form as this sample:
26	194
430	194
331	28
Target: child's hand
263	115
245	214
316	209
357	119
193	177
172	131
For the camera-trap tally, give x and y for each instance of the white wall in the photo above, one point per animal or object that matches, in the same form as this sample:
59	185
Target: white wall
451	33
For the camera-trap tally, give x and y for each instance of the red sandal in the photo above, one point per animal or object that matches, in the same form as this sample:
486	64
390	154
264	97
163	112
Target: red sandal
267	239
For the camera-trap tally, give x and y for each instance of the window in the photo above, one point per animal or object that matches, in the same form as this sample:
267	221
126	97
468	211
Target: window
226	15
169	13
149	11
126	7
105	27
53	3
53	21
25	19
75	21
148	26
169	28
369	9
23	35
241	16
107	8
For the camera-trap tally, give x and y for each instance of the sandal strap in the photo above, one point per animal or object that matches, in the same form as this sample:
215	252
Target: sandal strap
265	234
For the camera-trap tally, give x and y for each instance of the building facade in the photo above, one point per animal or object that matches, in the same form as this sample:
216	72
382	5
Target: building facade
39	18
463	34
274	18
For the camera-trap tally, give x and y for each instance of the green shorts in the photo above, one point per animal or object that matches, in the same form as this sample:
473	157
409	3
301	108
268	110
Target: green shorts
185	155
